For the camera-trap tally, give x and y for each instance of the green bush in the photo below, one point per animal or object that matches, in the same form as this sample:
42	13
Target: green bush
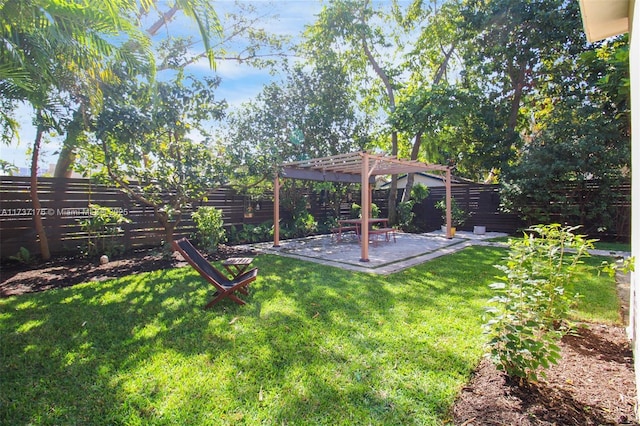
419	192
527	316
406	216
23	256
458	215
305	224
251	233
328	224
210	227
357	214
102	228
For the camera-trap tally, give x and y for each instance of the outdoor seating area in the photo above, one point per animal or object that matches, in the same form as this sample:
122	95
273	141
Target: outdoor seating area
405	251
377	227
357	167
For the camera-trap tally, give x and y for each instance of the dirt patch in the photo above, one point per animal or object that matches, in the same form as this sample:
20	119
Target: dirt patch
593	384
16	278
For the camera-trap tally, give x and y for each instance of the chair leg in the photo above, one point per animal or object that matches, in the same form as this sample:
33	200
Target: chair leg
221	296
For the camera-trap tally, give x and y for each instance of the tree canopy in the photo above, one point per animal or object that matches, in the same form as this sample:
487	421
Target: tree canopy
503	90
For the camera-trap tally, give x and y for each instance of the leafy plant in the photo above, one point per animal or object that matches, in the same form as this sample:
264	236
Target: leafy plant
102	227
251	233
533	300
356	212
23	256
624	266
305	224
210	226
406	216
458	215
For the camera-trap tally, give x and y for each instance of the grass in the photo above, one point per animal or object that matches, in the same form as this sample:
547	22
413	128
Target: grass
598	245
612	246
314	345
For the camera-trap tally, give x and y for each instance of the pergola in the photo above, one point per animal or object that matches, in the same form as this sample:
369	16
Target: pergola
357	167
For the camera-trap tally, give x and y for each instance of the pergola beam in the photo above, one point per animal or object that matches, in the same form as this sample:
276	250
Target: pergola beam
320	175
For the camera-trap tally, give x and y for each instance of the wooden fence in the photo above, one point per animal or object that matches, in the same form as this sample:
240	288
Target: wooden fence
65	201
482	202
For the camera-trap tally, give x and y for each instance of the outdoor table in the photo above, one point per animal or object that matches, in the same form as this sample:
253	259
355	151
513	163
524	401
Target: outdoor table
237	265
345	223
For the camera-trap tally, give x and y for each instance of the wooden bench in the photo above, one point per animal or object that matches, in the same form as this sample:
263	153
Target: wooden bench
340	229
386	231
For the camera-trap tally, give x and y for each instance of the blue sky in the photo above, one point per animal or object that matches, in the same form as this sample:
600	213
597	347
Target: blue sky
240	83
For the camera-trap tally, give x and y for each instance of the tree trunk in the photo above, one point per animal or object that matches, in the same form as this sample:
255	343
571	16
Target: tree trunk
68	153
517	76
37	207
65	161
169	225
411	176
393	192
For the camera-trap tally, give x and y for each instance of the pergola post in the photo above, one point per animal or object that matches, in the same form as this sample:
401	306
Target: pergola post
276	211
447	185
365	207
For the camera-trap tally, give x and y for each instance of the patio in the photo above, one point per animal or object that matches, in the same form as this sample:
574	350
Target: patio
358	167
384	257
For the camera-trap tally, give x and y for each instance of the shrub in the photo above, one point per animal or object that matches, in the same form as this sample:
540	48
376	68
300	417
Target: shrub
251	233
406	216
102	227
304	224
210	228
23	256
533	300
357	214
328	224
458	215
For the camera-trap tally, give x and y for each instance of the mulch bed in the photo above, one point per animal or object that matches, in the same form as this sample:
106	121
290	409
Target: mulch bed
16	278
594	383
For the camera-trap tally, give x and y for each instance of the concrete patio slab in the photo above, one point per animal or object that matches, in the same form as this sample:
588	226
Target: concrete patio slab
384	257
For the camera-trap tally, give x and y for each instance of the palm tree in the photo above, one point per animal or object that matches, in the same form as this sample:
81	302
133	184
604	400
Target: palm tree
45	44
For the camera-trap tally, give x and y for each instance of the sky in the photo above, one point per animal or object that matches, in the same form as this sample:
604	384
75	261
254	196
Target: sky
240	83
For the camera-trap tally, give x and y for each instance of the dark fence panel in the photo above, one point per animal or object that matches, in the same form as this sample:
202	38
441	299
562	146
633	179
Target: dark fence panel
65	201
481	201
576	197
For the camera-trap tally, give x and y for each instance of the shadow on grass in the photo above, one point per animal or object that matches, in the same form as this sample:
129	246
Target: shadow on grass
313	344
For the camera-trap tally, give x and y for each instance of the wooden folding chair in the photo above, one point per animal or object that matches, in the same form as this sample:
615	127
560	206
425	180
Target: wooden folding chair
224	287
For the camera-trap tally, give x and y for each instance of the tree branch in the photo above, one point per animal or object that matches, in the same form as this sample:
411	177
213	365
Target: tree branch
164	19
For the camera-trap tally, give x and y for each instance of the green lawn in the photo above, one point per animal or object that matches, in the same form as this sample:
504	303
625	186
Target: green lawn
314	345
598	245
